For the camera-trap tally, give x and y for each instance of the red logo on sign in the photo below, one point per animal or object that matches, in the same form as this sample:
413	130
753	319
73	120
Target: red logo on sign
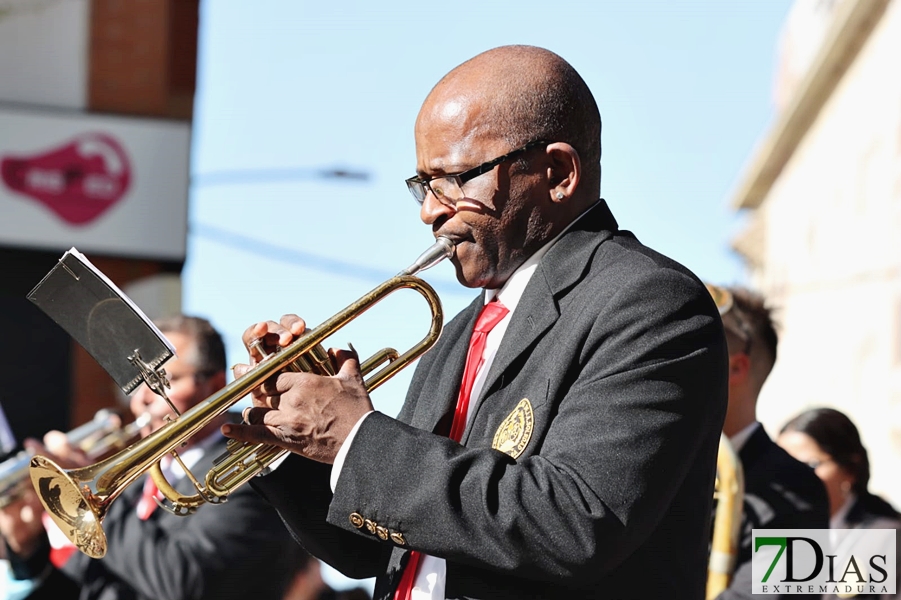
78	181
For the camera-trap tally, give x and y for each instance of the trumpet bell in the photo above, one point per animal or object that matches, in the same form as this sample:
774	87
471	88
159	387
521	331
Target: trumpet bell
73	510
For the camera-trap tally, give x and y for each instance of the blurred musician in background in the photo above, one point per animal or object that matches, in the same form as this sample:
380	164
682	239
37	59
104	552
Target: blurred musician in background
237	550
827	441
780	492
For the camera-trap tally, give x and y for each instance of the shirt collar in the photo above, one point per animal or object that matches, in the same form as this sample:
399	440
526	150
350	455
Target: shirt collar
512	290
741	438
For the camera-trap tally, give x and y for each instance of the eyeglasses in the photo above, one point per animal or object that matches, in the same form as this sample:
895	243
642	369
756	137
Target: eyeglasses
448	189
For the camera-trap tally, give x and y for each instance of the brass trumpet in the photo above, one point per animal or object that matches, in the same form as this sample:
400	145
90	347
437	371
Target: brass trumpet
96	438
79	499
729	494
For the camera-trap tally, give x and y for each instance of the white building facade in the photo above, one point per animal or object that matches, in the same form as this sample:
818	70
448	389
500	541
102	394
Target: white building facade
823	243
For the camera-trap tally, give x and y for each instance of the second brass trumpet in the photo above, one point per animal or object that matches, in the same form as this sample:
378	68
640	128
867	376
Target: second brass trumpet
98	437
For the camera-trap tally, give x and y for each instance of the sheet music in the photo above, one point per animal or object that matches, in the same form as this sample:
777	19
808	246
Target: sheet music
98	315
84	259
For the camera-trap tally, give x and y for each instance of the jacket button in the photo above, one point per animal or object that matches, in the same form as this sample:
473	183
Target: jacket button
382	532
370	525
398	538
356	519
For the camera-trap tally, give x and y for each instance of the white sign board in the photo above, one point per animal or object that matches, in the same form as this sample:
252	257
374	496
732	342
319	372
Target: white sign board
44	52
108	185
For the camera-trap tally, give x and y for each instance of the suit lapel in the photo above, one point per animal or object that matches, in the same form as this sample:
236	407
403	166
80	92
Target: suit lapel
536	313
446	373
561	268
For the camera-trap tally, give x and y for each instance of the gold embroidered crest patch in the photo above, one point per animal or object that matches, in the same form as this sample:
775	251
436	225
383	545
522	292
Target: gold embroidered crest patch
515	431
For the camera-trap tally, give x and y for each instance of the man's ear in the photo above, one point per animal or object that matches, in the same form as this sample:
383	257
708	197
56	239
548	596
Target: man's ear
564	171
739	367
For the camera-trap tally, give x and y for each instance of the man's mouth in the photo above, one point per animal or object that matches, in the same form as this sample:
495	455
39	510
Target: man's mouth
456	239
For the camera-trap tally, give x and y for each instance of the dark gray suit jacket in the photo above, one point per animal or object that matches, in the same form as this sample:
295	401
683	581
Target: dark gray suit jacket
236	550
620	355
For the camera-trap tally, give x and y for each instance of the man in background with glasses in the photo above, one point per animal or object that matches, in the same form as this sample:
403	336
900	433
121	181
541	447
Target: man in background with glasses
559	441
780	492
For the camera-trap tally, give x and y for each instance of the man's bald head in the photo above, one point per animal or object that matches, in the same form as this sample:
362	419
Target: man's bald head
525	93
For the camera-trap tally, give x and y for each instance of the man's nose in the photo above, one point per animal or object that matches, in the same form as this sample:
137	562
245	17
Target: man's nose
432	210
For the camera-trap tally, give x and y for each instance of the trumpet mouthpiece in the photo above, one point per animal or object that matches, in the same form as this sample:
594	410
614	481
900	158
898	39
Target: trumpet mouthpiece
441	249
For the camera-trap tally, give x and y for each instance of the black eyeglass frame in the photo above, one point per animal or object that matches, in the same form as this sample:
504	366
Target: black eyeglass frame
420	187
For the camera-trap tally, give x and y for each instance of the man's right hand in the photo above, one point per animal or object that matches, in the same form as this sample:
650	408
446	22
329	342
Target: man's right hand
305	413
262	339
57	448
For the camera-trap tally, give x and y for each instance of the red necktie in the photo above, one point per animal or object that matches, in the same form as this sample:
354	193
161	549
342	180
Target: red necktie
147	504
492	314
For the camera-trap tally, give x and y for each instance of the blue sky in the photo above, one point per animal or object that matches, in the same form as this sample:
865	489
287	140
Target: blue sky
289	88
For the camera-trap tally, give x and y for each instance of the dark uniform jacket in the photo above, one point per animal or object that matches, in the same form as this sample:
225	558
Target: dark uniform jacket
586	469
